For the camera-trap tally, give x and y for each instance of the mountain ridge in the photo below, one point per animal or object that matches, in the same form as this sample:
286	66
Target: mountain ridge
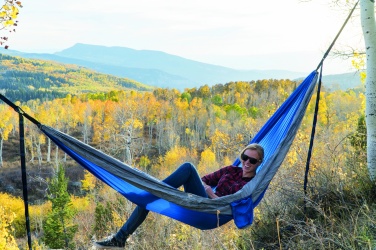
160	69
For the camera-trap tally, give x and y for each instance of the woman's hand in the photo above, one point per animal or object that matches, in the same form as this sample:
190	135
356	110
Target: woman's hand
210	192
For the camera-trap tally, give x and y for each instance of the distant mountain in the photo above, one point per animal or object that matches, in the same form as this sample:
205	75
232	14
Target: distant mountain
342	81
160	69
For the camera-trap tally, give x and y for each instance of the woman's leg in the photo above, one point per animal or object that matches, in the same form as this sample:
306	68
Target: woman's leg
186	175
135	220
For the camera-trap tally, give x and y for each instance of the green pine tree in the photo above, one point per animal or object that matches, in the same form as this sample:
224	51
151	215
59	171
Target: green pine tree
359	139
103	215
59	228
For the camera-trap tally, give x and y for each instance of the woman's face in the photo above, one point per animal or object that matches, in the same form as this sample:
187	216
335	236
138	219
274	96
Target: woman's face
250	160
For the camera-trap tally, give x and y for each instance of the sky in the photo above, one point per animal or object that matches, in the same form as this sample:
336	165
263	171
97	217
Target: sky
240	34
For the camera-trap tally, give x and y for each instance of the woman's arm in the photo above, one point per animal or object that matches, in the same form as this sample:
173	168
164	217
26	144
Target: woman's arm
209	191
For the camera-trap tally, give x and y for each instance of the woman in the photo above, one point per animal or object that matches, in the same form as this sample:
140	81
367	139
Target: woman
228	180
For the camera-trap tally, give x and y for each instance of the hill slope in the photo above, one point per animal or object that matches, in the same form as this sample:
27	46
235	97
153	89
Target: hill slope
25	79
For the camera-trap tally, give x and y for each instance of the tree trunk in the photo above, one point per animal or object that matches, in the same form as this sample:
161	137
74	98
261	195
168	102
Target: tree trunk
49	150
39	153
367	15
57	155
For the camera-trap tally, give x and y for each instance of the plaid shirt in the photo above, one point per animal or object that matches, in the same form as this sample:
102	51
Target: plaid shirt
228	180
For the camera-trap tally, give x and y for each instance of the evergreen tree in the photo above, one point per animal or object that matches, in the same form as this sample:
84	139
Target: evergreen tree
103	216
58	228
359	139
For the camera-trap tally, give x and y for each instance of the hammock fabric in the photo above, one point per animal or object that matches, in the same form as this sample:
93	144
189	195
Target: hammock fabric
275	136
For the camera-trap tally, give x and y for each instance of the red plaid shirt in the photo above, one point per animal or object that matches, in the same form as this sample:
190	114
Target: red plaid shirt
228	180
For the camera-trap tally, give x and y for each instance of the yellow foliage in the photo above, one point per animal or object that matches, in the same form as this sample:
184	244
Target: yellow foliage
144	161
180	236
8	23
359	63
80	203
181	104
14	204
5	121
9	13
291	157
88	183
118	220
7	240
226	161
135	123
208	162
39	211
37	246
6	7
14	12
174	158
220	142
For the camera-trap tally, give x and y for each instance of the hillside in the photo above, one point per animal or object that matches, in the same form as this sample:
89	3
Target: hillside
157	131
24	79
76	70
154	68
159	69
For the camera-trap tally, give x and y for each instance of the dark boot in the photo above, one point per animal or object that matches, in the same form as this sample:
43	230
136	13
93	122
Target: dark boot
111	243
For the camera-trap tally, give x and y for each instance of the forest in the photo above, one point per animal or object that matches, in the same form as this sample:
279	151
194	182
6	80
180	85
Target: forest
26	79
157	130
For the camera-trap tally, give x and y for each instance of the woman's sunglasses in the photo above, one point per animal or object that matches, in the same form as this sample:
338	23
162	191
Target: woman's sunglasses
251	159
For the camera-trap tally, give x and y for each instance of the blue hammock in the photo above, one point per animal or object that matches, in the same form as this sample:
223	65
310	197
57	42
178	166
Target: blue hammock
144	190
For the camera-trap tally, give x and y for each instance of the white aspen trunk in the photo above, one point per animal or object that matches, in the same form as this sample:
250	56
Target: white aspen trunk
367	15
32	149
57	155
128	143
49	150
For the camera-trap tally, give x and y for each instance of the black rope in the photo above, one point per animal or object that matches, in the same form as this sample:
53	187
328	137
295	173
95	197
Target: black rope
19	110
312	137
335	39
22	114
320	66
24	179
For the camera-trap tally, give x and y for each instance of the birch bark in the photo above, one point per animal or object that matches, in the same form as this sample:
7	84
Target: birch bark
367	15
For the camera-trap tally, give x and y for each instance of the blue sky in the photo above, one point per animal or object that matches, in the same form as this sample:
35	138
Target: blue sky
242	34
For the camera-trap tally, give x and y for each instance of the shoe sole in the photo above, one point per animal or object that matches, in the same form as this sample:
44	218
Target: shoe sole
97	246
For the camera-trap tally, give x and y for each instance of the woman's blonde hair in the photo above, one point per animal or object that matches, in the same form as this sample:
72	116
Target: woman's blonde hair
257	147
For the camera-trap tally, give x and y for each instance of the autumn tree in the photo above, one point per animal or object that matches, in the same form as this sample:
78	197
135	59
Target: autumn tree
7	240
8	15
127	117
151	109
197	121
5	127
368	25
103	123
89	181
367	16
208	162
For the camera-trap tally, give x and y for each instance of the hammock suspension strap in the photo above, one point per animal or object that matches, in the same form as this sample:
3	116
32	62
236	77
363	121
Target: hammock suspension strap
23	162
320	66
